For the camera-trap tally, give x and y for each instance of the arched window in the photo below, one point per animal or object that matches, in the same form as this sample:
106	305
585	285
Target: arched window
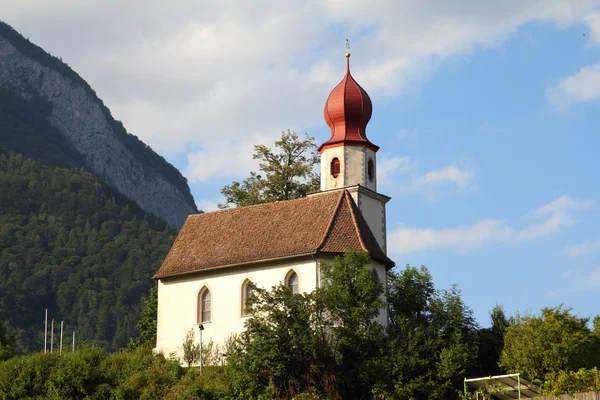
371	170
204	306
246	293
292	281
335	167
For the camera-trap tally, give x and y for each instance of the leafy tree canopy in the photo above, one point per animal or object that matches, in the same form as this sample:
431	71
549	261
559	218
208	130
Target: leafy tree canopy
432	337
554	341
286	173
7	346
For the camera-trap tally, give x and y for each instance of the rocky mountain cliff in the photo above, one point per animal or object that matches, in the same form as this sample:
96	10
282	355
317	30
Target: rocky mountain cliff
86	124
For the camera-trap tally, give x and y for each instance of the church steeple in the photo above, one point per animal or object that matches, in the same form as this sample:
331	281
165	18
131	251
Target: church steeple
348	158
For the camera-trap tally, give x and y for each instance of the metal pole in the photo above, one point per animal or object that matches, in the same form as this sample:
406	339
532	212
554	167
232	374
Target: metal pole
52	337
46	333
519	380
465	383
200	352
61	333
73	340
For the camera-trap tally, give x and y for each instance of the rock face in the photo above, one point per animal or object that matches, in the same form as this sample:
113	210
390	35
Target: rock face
120	159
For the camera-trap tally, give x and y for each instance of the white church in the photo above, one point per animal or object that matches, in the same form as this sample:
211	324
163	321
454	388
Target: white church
205	277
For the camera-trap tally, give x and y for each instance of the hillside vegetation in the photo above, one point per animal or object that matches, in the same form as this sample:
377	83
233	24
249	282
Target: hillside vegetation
71	244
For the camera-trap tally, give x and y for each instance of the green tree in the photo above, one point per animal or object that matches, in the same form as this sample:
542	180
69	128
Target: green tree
147	323
286	173
326	342
191	349
276	352
491	342
554	341
350	300
432	337
7	346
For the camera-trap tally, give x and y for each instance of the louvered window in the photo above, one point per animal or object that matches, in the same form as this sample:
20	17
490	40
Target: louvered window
335	167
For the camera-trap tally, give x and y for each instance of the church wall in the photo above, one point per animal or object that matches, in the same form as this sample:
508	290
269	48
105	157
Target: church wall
373	211
356	169
177	299
370	155
327	180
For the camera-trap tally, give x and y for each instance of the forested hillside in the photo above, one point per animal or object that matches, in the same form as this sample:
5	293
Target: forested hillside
70	243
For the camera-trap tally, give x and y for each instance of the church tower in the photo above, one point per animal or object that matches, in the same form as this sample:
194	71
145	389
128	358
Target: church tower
348	158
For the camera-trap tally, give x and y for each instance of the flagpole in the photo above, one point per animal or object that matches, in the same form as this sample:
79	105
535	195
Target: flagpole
61	333
46	332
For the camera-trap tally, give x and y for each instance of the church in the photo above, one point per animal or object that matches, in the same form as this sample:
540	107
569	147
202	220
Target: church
205	279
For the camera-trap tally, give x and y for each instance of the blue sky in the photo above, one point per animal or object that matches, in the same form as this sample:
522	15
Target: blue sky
486	115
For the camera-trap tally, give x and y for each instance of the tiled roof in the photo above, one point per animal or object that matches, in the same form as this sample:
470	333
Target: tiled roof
328	223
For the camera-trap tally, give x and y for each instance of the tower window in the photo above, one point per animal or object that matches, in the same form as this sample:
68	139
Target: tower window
371	170
335	167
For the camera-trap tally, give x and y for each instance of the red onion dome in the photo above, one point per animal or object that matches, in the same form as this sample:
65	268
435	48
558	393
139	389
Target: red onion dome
347	112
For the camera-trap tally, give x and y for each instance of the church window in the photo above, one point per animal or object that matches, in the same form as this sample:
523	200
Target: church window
247	291
335	167
371	170
204	305
293	282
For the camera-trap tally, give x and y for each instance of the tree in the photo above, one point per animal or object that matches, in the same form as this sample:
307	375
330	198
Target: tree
491	342
278	348
432	337
350	300
326	341
286	173
191	350
554	341
7	346
147	323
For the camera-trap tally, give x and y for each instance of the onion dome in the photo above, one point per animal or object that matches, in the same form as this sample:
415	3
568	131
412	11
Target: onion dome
347	112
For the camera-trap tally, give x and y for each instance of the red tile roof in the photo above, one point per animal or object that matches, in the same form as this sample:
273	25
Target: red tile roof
328	223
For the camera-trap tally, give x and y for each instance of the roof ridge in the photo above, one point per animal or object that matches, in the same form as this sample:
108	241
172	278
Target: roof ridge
330	224
353	214
250	206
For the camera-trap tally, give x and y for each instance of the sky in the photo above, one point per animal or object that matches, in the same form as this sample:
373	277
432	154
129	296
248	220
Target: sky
486	114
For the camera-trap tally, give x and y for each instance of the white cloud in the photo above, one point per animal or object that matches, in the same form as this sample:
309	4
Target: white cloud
578	280
208	205
592	20
388	166
400	177
462	178
584	86
555	215
576	250
185	75
563	204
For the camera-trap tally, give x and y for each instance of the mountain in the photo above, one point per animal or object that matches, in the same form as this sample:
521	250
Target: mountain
48	112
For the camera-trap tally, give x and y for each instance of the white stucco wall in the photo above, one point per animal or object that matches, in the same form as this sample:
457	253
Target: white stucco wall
177	299
327	180
373	212
353	167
